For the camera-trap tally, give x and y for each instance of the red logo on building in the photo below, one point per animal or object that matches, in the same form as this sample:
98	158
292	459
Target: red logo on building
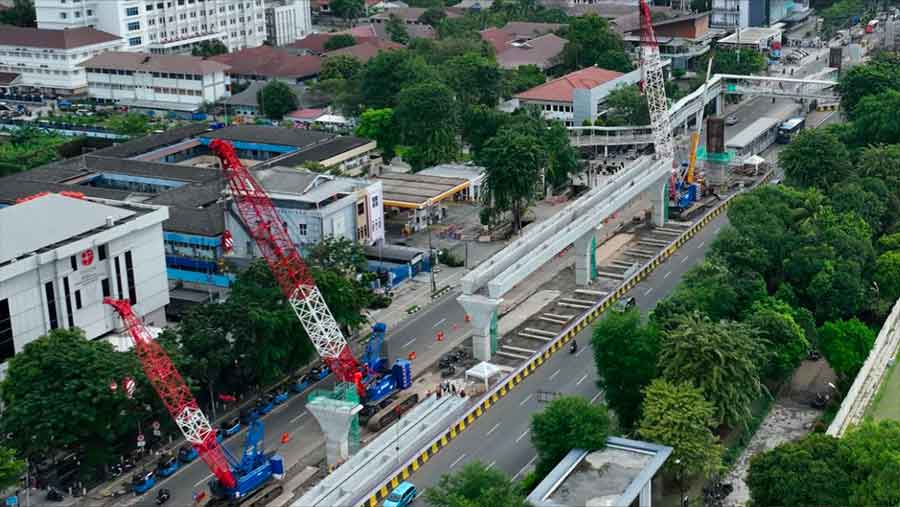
87	257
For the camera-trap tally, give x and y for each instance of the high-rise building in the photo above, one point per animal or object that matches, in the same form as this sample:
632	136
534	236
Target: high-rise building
287	21
730	14
161	27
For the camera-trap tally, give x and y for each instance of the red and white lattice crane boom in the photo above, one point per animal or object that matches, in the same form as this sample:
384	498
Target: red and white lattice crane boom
175	394
654	87
284	260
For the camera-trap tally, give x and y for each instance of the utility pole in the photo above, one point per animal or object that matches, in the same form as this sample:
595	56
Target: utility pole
431	255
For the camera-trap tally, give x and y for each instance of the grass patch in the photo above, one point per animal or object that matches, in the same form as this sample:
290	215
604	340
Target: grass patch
886	404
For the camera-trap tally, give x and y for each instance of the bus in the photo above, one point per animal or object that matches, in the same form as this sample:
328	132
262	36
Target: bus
789	128
870	28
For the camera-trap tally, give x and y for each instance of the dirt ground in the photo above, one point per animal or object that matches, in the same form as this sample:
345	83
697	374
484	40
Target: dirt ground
791	418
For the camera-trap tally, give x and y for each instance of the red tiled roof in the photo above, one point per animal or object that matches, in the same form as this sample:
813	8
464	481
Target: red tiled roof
561	89
315	42
52	39
7	78
542	51
365	51
267	61
306	114
496	37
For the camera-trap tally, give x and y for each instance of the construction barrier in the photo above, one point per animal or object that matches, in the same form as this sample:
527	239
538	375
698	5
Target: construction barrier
827	107
439	336
520	374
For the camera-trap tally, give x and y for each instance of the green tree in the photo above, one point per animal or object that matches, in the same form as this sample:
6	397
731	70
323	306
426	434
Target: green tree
129	124
389	72
569	422
873	450
380	125
784	339
11	468
676	414
439	51
815	158
875	118
846	344
480	124
474	79
887	275
868	198
627	106
209	48
57	395
808	473
432	16
277	99
29	148
396	29
475	486
340	67
731	61
881	162
21	13
522	78
338	41
337	254
591	41
881	73
721	359
625	353
345	298
347	9
428	117
513	162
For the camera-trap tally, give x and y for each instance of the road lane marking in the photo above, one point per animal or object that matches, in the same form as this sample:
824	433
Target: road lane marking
581	380
407	344
438	323
492	430
554	374
523	402
596	396
302	414
201	481
648	291
580	351
524	467
686	257
667	275
491	465
457	460
701	245
522	436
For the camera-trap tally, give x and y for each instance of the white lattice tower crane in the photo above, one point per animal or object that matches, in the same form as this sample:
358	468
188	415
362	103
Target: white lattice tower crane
654	87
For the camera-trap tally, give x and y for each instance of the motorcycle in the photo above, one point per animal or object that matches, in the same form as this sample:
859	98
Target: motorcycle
573	348
163	496
53	495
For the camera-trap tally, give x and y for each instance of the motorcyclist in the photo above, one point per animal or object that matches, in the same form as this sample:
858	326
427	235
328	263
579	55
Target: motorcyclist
163	496
574	347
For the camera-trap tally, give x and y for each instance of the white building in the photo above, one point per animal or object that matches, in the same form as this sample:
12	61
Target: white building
156	82
167	26
86	250
48	59
287	21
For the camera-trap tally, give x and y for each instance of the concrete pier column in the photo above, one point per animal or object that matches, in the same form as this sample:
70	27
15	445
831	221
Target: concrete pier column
646	495
586	258
659	202
698	118
720	104
482	311
335	417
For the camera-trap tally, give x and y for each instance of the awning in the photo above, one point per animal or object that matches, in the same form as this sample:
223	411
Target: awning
483	371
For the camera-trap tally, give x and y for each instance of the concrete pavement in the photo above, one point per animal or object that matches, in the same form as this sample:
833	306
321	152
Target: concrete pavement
500	438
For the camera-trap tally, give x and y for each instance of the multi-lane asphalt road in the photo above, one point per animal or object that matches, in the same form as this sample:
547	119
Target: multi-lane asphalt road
500	438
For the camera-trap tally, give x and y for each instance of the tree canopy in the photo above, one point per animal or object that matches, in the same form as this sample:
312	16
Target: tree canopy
338	41
475	486
207	48
815	158
340	67
347	9
591	41
396	29
569	422
880	74
276	99
625	353
20	13
428	116
380	125
627	106
677	415
513	162
846	344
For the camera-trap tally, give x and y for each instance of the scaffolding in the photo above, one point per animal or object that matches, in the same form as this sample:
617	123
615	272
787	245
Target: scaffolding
343	391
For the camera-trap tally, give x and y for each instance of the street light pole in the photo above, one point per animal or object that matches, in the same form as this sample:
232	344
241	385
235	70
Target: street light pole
431	254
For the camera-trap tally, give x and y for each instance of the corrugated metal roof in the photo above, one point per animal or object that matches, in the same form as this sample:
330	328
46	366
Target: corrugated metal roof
182	64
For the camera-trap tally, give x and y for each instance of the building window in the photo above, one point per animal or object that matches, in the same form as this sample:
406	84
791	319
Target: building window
360	208
74	263
118	279
134	41
134	25
90	12
77	14
51	305
78	300
129	273
148	7
374	201
131	11
104	287
68	295
7	346
62	15
302	229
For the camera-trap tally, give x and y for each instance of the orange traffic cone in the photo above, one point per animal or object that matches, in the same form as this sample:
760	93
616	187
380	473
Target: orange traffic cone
412	355
285	437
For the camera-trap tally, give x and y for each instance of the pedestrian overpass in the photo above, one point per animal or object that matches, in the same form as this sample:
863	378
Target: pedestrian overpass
577	223
688	108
